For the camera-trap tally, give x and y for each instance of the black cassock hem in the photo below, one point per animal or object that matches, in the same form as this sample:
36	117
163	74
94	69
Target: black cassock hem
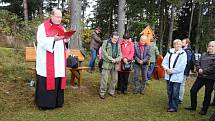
48	99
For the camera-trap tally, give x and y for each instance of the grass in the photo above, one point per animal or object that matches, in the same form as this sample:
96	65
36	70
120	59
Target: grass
17	102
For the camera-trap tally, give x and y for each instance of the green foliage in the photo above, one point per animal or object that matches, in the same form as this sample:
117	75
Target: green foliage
104	13
16	6
11	24
27	30
137	27
177	3
86	38
8	22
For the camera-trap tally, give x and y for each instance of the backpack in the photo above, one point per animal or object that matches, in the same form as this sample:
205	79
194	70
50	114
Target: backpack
72	61
101	60
192	62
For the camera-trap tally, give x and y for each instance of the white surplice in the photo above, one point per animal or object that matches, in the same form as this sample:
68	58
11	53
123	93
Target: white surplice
44	44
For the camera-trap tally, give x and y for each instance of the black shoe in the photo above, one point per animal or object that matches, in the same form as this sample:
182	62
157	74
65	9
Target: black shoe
212	104
142	92
203	112
59	106
45	108
112	95
190	109
119	92
135	92
102	96
125	92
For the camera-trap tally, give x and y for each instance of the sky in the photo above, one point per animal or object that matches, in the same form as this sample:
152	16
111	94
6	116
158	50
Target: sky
89	13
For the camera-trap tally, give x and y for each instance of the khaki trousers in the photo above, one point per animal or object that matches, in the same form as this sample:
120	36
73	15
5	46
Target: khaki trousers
104	80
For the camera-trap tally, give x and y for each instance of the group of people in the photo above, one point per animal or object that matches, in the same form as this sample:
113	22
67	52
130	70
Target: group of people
177	64
115	54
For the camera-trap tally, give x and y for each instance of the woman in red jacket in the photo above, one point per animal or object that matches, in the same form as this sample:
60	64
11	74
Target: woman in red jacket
127	48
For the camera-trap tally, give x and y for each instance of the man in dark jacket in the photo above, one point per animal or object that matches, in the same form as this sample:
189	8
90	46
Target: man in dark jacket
205	67
186	47
142	56
96	42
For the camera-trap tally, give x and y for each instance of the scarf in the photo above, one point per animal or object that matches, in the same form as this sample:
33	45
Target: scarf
50	71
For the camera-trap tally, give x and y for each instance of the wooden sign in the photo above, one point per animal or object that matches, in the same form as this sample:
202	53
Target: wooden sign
149	33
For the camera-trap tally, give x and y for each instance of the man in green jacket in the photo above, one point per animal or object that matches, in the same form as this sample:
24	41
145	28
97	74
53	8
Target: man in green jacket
111	55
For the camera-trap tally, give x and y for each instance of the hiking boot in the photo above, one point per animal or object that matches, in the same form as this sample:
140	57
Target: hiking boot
142	92
212	104
135	92
202	112
102	96
190	109
125	92
112	95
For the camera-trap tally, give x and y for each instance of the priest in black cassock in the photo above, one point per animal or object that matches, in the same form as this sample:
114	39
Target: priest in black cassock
50	63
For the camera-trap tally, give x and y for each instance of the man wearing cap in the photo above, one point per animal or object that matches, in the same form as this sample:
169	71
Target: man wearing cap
94	46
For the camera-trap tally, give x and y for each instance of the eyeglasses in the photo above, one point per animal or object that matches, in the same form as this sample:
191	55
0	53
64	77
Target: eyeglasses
57	16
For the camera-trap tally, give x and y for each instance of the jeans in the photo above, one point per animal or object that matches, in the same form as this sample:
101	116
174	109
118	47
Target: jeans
144	69
151	69
93	58
198	84
182	89
173	94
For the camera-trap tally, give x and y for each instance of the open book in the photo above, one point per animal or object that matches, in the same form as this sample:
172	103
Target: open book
60	32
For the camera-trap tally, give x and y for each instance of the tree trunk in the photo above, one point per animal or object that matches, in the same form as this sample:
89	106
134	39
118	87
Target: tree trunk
199	28
40	9
121	17
75	41
25	6
62	6
58	4
191	18
171	26
161	27
110	24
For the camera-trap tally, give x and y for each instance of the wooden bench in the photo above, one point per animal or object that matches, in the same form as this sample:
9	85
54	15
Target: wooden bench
30	56
76	73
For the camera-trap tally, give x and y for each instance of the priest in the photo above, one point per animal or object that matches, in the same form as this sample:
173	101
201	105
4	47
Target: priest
50	63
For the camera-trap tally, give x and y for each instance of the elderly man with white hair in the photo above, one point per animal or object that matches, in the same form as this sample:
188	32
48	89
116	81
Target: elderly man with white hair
174	64
205	68
50	63
142	56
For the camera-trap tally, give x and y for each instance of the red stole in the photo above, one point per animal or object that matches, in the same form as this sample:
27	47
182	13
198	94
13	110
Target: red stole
141	47
50	70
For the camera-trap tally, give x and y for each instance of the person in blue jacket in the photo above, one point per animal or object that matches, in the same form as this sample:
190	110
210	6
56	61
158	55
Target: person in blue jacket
187	48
